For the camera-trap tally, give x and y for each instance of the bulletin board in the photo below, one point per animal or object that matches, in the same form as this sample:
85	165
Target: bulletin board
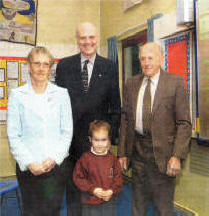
178	58
14	73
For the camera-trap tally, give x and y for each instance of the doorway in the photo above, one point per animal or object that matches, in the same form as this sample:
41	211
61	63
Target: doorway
130	59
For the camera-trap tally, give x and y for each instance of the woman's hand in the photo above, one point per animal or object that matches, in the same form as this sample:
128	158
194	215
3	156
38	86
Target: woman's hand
36	168
48	164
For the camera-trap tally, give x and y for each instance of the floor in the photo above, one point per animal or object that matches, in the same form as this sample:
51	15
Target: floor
10	205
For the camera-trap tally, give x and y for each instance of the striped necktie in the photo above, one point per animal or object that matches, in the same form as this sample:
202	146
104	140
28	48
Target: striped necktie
84	76
146	109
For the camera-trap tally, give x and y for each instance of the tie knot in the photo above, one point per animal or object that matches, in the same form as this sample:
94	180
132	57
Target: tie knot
86	62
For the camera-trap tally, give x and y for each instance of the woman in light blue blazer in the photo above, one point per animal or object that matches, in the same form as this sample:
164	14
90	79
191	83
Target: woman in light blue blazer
40	131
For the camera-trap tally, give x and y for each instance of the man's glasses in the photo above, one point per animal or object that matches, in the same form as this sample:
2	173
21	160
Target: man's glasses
38	64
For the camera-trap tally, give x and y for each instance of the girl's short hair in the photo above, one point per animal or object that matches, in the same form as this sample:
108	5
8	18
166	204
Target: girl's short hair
98	125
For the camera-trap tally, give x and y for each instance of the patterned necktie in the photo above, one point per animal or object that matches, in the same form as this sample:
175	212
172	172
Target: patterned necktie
146	109
84	76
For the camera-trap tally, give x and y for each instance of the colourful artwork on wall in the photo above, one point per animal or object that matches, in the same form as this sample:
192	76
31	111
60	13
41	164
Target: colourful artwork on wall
18	21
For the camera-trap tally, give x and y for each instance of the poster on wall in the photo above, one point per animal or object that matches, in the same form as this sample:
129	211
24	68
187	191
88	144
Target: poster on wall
18	21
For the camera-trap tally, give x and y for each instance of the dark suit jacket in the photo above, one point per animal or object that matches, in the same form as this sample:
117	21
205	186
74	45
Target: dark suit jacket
171	124
101	102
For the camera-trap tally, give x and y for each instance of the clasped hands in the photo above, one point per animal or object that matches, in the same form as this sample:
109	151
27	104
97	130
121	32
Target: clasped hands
40	168
103	194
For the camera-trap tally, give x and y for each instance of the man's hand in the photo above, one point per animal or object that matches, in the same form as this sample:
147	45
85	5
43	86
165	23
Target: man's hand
123	163
48	164
36	168
173	166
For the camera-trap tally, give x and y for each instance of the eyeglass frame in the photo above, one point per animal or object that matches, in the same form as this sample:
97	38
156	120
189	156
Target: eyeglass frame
45	65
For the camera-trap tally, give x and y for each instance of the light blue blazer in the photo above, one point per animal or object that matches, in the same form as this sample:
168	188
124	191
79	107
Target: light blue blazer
34	135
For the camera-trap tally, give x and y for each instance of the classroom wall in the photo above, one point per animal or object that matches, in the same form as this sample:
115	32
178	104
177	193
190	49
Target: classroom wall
116	22
122	24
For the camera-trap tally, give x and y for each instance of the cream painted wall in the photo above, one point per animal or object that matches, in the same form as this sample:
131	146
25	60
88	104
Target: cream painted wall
115	22
58	21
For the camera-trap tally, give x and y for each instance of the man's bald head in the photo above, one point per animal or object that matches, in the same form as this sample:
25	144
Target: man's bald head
151	58
87	38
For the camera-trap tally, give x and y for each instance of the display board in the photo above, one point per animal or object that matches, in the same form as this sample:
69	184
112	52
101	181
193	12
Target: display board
14	73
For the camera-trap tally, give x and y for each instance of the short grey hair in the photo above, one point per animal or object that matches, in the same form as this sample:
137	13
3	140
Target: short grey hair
40	50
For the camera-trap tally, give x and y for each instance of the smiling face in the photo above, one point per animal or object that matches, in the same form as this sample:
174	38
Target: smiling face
40	68
87	39
151	59
100	141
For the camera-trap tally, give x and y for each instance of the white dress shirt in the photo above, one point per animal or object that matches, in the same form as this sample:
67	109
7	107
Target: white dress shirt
153	87
90	65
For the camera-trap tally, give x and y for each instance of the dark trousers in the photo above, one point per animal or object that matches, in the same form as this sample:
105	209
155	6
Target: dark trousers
79	145
148	183
42	195
72	192
104	209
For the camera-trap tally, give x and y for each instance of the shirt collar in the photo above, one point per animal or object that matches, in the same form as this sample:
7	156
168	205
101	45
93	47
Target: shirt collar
155	78
91	60
92	151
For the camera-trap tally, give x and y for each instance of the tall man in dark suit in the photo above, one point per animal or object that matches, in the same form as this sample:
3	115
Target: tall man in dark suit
155	133
92	82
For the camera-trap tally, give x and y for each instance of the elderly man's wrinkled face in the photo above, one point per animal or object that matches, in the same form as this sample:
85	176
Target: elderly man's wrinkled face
151	59
87	39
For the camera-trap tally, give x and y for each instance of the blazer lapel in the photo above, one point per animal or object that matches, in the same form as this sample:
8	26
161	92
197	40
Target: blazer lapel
77	69
96	71
161	87
136	87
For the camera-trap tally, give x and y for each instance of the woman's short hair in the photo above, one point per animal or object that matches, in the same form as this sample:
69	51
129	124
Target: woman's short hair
40	50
